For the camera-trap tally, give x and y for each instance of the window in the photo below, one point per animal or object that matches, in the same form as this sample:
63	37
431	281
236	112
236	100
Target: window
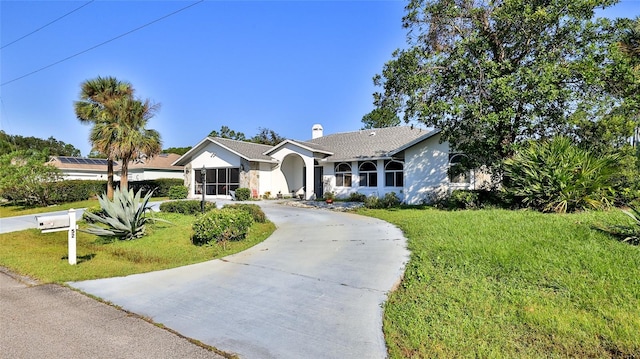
368	174
219	181
457	173
343	175
393	174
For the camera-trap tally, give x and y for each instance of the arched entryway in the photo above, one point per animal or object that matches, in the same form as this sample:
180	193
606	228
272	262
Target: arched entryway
299	175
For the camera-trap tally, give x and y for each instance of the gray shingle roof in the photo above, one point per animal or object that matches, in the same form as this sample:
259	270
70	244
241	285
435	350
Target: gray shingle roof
251	151
368	144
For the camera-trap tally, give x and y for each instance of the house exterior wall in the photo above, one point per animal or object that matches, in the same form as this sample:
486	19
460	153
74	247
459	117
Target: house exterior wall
212	156
264	179
425	171
76	174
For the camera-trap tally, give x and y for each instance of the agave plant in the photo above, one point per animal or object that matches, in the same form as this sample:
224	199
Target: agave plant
124	217
633	234
625	233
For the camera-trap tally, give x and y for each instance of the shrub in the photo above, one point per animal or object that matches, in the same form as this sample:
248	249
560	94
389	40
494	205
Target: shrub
389	200
557	176
186	207
266	195
253	209
96	211
221	225
160	187
178	192
76	190
461	199
124	217
357	197
372	202
243	194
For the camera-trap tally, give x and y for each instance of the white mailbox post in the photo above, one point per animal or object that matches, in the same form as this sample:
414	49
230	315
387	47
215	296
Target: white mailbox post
65	222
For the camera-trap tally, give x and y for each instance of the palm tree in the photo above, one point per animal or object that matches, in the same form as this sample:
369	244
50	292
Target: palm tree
97	105
133	139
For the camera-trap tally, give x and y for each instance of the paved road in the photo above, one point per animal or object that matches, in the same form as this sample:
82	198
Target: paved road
314	289
51	321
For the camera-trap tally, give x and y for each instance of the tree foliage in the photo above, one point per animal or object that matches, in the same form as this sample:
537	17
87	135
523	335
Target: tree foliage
119	124
97	106
379	118
267	136
264	136
177	150
491	75
226	132
49	147
25	177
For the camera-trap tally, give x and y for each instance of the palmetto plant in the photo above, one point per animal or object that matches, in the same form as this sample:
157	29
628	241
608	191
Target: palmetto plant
558	176
124	218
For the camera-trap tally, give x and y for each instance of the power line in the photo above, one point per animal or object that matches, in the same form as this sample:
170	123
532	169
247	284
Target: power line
100	44
43	26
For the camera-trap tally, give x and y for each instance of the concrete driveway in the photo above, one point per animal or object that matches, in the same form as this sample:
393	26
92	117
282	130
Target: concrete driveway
314	289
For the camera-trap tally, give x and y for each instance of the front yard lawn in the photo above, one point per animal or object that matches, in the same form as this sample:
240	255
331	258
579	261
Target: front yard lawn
44	256
513	284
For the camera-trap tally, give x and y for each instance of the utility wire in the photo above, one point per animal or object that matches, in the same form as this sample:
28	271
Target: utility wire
43	26
100	44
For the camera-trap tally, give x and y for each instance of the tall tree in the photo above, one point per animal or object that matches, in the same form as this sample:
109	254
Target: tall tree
379	118
98	106
50	146
133	139
267	136
226	132
629	45
491	74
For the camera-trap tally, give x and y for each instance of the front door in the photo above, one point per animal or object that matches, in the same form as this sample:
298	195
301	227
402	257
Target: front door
318	188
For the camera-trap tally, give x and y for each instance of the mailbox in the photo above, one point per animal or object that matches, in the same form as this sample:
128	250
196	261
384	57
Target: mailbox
51	223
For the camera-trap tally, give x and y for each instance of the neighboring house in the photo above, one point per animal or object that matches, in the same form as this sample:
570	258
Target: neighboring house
159	166
411	162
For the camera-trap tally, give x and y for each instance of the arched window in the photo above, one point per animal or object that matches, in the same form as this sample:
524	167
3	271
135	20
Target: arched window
343	175
368	174
393	174
457	173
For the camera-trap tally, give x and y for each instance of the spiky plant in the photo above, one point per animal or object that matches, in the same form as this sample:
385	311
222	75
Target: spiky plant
123	218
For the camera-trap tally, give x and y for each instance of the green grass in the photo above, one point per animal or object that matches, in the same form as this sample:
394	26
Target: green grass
12	210
44	256
513	284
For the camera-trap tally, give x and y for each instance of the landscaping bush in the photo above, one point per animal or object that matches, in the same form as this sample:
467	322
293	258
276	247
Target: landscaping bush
357	197
243	194
186	207
557	176
178	192
461	199
253	209
160	186
221	225
76	190
389	200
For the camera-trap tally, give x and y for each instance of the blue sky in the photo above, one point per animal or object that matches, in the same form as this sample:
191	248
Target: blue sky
284	65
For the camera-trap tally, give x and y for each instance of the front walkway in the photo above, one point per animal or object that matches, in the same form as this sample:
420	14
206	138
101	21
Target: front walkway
314	289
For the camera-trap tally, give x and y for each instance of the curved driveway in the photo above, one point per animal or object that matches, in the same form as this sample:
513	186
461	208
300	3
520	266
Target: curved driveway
313	289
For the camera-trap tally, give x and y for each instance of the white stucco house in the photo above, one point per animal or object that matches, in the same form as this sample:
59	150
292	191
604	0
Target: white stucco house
77	168
410	161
